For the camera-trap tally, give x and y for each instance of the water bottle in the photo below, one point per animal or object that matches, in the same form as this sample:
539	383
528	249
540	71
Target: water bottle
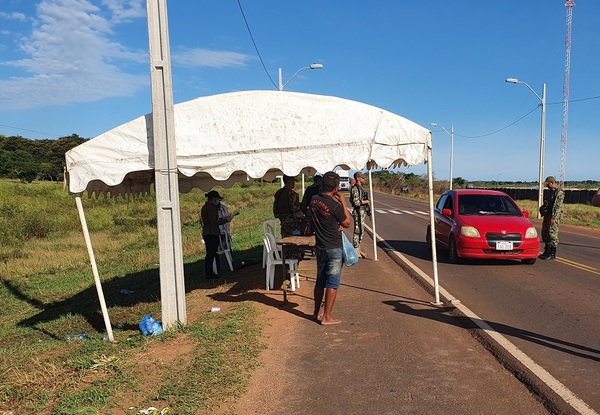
78	336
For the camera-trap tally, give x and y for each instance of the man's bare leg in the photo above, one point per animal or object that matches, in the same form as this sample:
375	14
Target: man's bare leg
318	295
330	294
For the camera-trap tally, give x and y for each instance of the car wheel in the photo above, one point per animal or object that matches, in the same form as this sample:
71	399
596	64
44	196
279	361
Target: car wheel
452	254
529	261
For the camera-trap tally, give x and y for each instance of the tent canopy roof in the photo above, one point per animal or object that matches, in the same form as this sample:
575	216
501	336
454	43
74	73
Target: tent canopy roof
241	136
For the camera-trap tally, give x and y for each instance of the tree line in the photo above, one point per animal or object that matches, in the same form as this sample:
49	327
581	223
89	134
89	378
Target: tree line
28	160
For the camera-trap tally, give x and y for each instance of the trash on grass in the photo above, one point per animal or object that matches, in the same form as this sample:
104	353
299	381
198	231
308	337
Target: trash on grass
78	336
150	327
215	309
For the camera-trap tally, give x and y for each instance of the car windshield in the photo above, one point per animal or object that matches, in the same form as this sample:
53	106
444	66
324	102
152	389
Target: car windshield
482	204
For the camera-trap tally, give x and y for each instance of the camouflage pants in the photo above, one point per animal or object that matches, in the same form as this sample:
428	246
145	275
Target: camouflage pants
358	215
550	233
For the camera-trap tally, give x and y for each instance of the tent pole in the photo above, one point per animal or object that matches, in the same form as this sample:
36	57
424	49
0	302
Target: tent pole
373	217
88	243
432	223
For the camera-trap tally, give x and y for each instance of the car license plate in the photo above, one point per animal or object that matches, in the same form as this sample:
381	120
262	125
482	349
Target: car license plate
504	245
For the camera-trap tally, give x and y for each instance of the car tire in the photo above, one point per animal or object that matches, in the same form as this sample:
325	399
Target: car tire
452	253
528	261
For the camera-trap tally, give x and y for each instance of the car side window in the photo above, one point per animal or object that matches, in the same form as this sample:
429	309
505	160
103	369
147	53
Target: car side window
440	204
449	203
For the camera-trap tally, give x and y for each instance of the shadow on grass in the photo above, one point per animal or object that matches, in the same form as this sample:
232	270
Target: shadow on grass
135	289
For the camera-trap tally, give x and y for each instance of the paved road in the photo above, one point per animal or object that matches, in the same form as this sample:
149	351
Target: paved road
548	310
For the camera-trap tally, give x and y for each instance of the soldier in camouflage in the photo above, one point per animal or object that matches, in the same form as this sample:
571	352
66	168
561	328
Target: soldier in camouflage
359	199
286	208
552	212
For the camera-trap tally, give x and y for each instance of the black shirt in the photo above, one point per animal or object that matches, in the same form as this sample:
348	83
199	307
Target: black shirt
326	214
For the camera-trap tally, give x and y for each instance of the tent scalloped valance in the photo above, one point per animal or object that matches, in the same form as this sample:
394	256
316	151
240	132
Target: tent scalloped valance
242	136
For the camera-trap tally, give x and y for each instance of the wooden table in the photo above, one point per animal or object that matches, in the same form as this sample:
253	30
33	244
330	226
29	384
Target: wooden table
299	241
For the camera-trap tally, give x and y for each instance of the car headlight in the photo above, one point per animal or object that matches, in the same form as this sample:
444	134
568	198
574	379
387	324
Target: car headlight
469	231
531	233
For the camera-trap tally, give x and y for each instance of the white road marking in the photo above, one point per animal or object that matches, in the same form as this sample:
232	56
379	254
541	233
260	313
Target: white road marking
409	212
395	212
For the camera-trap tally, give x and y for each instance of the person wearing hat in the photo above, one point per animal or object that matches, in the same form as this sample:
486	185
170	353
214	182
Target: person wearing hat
209	215
359	199
286	208
552	212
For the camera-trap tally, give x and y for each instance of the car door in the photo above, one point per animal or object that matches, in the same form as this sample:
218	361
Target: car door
443	223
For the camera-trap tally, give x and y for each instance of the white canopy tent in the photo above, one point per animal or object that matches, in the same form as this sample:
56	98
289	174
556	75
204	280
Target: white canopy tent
248	135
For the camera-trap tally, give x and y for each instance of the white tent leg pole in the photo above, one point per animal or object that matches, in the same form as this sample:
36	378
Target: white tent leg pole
373	217
302	185
88	243
432	224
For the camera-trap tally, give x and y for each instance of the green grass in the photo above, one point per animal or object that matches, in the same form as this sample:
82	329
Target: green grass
47	292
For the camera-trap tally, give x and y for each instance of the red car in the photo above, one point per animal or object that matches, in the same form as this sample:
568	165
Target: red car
483	224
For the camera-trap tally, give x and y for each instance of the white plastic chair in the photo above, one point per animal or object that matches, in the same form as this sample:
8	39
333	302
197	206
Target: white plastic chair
274	259
273	227
224	248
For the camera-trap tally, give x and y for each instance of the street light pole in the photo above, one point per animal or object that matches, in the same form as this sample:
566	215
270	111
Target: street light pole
312	66
282	85
451	134
542	138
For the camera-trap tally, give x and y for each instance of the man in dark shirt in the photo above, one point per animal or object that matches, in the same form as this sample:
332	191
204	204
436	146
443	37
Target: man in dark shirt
328	213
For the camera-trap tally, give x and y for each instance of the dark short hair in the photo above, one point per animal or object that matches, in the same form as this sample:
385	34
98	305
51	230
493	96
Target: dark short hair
330	181
287	179
318	178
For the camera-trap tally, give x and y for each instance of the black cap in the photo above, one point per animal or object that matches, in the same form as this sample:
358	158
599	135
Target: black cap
213	193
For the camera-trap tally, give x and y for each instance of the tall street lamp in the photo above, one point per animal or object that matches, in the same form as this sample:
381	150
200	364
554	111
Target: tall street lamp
451	134
313	66
542	137
282	85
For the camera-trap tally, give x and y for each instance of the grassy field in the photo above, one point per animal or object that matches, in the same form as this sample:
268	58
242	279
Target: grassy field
47	293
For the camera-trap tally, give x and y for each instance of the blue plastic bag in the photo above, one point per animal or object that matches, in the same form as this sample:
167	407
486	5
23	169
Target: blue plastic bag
150	327
349	254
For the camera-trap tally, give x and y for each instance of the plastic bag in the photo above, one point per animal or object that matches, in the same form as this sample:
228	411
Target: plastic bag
150	327
349	254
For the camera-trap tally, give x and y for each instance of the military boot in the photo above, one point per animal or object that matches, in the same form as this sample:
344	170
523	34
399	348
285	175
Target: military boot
550	253
544	254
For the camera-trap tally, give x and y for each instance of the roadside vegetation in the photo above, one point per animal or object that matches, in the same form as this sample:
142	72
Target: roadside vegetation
47	293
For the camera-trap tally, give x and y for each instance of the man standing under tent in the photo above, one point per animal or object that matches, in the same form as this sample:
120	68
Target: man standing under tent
286	208
310	191
328	214
359	199
209	215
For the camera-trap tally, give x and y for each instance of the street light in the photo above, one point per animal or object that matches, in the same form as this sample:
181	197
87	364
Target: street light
451	134
313	66
542	137
282	85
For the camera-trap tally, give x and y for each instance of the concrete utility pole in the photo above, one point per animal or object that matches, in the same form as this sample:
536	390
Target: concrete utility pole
172	285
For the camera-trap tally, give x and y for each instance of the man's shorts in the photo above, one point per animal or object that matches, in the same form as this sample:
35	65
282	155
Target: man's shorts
329	268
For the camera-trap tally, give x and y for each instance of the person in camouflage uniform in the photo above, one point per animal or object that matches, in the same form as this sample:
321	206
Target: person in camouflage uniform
286	208
359	199
552	212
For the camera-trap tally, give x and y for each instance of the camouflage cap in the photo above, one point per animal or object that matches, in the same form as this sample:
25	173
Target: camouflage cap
549	179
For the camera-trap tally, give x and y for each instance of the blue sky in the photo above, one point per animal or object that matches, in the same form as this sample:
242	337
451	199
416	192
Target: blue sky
81	66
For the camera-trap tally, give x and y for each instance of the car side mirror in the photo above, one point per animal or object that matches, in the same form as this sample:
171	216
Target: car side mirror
526	213
446	212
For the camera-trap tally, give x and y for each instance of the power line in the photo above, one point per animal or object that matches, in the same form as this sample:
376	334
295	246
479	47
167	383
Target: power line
501	129
29	131
254	43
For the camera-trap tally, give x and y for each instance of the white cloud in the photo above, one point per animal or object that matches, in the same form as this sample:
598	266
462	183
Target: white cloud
210	58
126	10
70	58
13	16
72	55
